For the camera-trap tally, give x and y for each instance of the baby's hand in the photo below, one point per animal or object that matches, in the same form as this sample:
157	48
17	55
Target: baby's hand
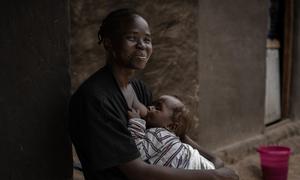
134	114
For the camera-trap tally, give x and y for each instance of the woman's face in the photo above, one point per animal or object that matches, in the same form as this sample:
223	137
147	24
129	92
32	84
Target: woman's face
133	47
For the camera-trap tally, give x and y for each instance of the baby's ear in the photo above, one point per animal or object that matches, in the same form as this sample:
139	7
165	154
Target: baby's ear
178	128
173	127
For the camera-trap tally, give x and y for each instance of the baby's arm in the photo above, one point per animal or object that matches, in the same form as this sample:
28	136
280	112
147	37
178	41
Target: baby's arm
215	160
137	128
143	139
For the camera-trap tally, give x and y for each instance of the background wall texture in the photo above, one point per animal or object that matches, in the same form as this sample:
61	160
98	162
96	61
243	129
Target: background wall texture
207	52
173	66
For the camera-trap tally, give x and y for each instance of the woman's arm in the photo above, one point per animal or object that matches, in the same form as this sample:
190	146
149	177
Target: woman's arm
215	160
137	169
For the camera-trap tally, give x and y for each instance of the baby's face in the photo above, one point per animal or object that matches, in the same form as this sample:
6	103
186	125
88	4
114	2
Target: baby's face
160	115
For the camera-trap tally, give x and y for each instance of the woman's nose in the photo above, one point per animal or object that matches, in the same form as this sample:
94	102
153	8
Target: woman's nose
140	44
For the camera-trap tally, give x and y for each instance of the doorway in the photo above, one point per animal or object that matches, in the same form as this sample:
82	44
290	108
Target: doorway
278	61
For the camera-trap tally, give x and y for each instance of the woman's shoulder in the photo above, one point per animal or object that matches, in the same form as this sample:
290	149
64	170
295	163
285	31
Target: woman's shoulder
100	84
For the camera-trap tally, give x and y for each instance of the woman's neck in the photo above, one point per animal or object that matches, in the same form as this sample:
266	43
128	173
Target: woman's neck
122	75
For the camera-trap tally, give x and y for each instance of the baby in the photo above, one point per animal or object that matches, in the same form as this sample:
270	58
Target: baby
158	137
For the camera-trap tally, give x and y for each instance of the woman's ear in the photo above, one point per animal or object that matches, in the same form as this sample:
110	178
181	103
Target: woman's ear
107	44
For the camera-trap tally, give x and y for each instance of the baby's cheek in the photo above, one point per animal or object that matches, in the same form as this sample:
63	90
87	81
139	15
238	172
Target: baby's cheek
144	114
151	119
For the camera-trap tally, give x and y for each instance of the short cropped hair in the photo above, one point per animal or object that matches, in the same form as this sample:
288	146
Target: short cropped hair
112	23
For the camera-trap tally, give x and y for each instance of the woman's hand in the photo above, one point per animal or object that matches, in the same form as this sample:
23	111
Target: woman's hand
214	159
134	114
227	173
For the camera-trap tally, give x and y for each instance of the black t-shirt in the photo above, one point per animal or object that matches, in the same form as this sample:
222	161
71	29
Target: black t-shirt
98	125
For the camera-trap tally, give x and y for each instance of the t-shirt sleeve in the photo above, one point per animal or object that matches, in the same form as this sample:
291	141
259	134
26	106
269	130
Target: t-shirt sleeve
104	134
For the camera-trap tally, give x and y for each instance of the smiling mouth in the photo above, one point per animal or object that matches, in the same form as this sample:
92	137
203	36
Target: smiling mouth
144	58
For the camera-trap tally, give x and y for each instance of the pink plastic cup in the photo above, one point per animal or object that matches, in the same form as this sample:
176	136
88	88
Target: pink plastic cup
274	162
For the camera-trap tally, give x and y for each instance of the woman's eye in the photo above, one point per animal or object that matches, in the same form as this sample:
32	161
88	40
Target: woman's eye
147	40
131	38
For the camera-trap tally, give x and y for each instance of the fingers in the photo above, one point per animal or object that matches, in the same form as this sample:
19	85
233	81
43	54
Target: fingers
227	173
133	113
137	111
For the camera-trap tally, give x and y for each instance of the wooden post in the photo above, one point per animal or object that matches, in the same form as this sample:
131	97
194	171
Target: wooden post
287	56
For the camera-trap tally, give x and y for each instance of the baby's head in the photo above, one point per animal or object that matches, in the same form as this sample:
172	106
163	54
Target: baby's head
169	112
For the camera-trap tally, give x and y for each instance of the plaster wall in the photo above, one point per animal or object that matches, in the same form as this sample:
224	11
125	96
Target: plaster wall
231	71
173	66
210	53
34	90
295	90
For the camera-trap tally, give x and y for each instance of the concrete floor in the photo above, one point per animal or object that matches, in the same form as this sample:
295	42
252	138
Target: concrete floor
249	167
245	161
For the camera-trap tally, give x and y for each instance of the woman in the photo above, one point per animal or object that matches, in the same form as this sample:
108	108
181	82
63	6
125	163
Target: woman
98	109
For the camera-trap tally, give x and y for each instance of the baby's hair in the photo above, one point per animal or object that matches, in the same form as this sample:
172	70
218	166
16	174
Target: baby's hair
181	115
110	25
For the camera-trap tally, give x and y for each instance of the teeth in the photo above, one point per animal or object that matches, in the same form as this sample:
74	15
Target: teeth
142	58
